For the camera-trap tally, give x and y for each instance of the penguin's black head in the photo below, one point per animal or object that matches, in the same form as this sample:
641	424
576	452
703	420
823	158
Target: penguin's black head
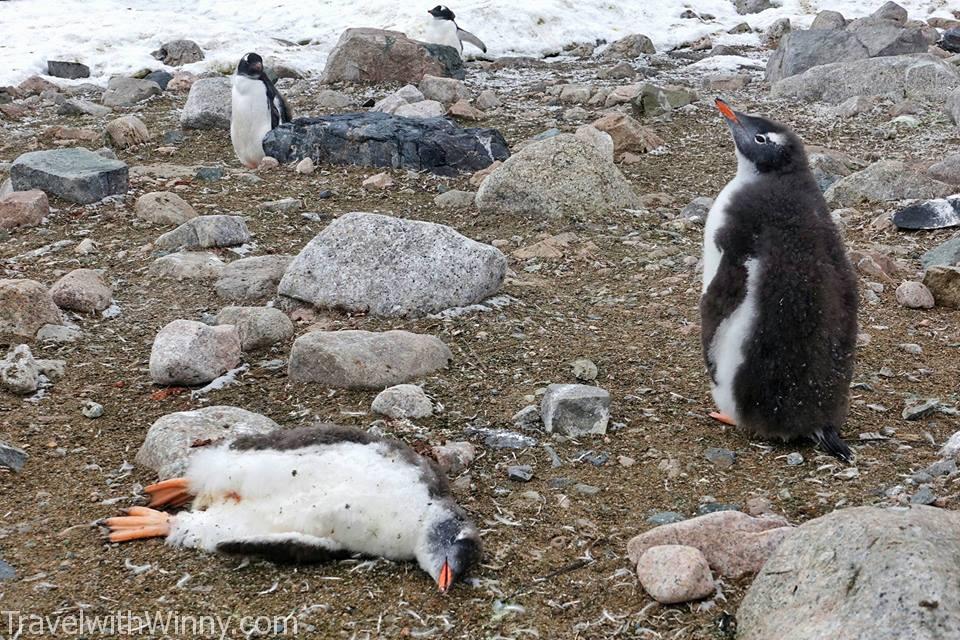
442	12
250	65
769	146
452	547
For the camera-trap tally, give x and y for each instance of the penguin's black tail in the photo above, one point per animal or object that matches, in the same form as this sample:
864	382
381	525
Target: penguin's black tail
830	441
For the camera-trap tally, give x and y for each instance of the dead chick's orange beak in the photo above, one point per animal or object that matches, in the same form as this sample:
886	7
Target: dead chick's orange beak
445	579
726	110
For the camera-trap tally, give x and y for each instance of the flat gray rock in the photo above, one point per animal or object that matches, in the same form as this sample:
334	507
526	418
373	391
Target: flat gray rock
393	267
917	77
189	353
78	175
12	457
208	105
801	50
364	359
884	181
25	306
253	279
259	327
205	232
126	92
863	572
188	265
945	255
174	437
939	213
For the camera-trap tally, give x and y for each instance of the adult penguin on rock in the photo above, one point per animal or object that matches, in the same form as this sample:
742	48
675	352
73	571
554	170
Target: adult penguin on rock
779	303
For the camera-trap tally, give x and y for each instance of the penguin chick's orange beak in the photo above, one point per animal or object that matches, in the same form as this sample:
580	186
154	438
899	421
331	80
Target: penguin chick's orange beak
726	110
445	579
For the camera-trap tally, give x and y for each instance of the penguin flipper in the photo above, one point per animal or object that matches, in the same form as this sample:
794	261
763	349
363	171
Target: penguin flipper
286	548
830	441
726	292
466	36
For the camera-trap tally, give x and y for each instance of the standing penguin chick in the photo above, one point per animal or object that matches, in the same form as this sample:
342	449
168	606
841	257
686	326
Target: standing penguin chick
312	494
443	30
257	107
779	304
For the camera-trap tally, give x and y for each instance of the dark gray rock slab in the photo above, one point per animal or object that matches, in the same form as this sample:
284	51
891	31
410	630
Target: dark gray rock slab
383	140
70	70
78	175
12	457
939	213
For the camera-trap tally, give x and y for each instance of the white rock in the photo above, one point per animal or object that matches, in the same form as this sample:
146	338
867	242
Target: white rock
403	401
191	353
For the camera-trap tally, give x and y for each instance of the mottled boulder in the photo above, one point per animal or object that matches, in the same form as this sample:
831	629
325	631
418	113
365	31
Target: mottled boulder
558	177
402	401
185	352
917	77
178	52
253	279
259	327
392	267
944	283
627	134
173	438
802	50
884	181
365	360
733	543
444	90
19	373
76	174
675	573
829	20
882	37
127	131
25	306
188	265
126	92
652	100
164	207
208	105
628	48
205	232
82	290
946	254
376	56
575	409
863	572
377	139
23	208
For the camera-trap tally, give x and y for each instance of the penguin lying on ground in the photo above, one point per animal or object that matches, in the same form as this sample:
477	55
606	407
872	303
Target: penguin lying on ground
779	304
312	494
443	29
257	107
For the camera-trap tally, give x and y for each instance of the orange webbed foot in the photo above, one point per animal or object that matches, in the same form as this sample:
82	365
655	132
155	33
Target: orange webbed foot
174	492
139	523
722	417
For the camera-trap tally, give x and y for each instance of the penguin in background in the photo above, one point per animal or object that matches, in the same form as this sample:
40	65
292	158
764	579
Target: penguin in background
257	108
312	494
779	303
443	30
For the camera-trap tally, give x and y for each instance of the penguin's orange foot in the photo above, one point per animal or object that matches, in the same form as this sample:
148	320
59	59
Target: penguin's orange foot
722	417
140	522
173	492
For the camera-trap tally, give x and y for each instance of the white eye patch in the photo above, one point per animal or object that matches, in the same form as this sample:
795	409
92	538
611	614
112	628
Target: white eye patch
777	138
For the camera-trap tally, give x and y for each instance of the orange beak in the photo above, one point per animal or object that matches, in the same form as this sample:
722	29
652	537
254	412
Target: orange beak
445	579
726	110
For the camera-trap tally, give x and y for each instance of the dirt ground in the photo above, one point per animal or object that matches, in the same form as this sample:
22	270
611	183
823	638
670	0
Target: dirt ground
624	296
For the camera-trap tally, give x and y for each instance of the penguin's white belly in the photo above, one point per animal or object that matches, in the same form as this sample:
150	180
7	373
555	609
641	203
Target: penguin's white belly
727	351
360	497
444	32
249	119
716	220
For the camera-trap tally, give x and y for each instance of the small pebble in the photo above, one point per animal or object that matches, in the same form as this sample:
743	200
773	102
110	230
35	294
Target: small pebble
925	495
713	507
520	472
723	458
794	459
92	409
665	517
586	489
584	370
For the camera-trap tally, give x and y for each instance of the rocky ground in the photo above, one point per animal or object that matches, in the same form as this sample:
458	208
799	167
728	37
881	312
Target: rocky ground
622	292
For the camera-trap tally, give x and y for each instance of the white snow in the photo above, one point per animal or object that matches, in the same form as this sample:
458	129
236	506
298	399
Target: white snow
117	36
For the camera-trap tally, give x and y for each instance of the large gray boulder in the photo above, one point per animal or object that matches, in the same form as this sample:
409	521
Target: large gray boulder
126	92
186	352
864	572
173	438
364	359
918	77
389	266
884	181
801	50
78	175
253	279
208	105
376	139
376	56
561	176
883	37
205	232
